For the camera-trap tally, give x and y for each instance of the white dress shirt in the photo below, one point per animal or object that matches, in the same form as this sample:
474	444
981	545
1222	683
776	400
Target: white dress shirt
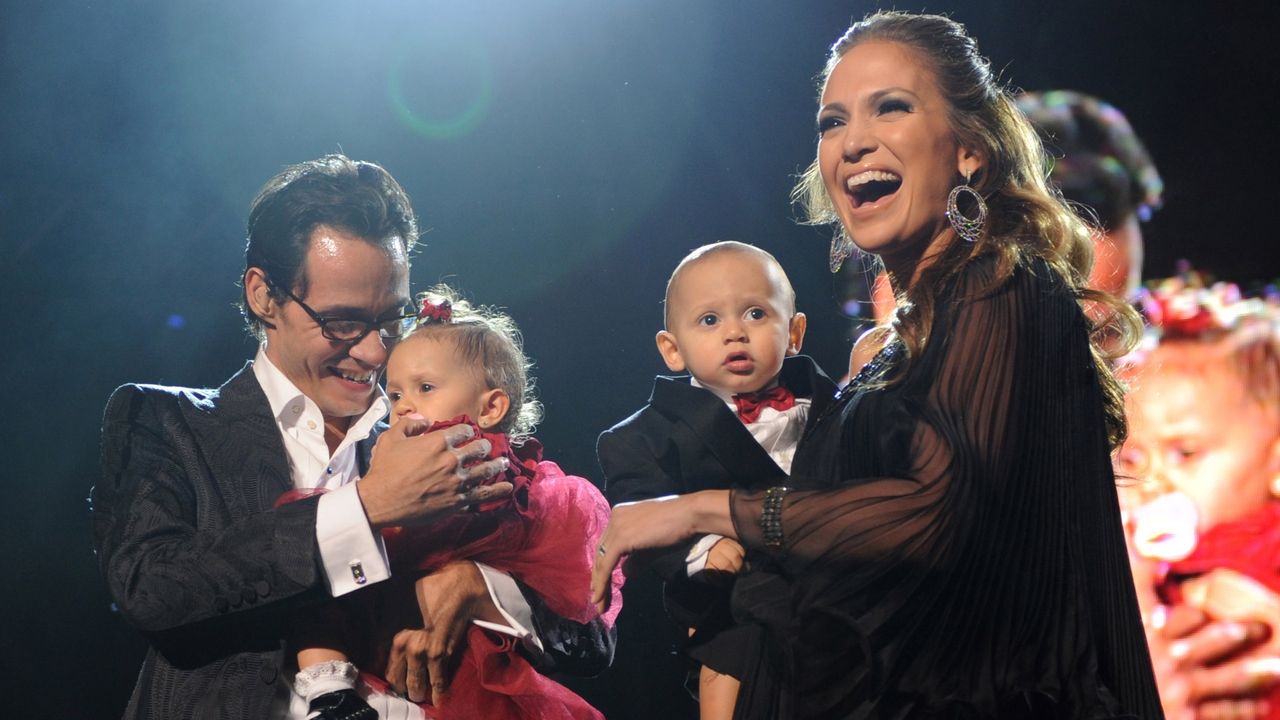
353	555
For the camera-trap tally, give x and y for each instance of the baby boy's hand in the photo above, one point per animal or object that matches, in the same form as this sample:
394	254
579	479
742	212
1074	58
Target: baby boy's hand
725	557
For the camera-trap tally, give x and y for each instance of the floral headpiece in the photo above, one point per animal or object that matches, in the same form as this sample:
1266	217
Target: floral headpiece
1187	305
435	312
1190	304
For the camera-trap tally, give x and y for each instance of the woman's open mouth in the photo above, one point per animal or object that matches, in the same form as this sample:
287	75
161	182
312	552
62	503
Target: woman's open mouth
871	186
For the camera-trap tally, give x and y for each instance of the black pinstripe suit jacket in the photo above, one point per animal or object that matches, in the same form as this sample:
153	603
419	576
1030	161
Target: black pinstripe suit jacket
196	558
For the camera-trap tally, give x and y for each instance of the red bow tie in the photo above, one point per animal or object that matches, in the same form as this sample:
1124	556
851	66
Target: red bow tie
750	404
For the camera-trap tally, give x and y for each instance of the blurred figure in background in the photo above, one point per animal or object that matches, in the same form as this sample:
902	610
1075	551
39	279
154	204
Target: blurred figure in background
1200	473
1200	483
1105	171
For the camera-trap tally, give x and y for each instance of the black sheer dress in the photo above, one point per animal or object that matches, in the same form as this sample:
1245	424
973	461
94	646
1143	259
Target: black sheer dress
954	547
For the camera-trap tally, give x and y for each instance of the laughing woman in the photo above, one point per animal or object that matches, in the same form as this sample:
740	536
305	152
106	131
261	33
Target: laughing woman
951	546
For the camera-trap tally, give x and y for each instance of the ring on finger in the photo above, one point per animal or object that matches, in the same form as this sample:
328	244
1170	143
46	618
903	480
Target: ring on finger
469	488
600	550
481	472
457	434
476	450
470	456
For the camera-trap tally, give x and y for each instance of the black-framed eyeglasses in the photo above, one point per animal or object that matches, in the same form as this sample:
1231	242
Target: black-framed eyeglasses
350	330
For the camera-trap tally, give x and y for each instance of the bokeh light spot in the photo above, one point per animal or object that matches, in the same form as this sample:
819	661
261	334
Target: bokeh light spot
441	87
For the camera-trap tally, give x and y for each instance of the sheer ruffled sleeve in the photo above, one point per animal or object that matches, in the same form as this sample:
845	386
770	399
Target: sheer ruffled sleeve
953	441
964	521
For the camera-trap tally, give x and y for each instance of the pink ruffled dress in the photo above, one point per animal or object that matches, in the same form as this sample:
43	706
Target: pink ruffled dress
544	534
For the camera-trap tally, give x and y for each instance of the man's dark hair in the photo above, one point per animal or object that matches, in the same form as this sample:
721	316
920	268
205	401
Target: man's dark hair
357	197
1099	161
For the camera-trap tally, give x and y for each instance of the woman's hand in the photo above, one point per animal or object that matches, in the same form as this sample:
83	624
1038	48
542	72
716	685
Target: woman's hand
655	523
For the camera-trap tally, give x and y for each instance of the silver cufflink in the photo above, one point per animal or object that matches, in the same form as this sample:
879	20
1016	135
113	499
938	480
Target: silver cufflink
357	572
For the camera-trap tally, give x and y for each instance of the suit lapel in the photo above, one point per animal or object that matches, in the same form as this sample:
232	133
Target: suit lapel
803	376
241	444
709	419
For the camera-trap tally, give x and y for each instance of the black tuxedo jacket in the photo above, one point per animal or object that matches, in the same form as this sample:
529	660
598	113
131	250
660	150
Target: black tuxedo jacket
687	439
196	558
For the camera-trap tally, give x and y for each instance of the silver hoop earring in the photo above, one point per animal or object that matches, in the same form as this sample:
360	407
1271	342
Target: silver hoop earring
970	229
841	249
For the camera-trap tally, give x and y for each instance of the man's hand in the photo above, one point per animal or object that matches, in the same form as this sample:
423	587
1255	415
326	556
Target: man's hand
419	476
407	667
449	599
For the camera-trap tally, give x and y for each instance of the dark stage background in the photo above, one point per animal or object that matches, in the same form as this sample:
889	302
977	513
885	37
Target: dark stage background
562	155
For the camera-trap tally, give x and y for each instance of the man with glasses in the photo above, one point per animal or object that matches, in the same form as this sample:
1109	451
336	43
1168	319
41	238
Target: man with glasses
193	551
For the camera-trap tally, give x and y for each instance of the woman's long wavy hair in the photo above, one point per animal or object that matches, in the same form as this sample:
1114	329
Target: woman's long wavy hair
1027	219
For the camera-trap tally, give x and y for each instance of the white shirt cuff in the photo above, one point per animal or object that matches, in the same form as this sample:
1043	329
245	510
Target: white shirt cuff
696	560
511	604
352	553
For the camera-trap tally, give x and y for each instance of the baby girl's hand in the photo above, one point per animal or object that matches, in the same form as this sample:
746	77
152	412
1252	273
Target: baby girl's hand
726	557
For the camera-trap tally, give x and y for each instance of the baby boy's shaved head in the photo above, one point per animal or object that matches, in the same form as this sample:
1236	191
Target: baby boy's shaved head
773	269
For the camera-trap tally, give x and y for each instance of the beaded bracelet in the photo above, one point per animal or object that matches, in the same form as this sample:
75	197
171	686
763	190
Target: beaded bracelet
771	515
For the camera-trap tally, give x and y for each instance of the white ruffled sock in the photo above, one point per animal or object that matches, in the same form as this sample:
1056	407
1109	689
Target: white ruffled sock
315	680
